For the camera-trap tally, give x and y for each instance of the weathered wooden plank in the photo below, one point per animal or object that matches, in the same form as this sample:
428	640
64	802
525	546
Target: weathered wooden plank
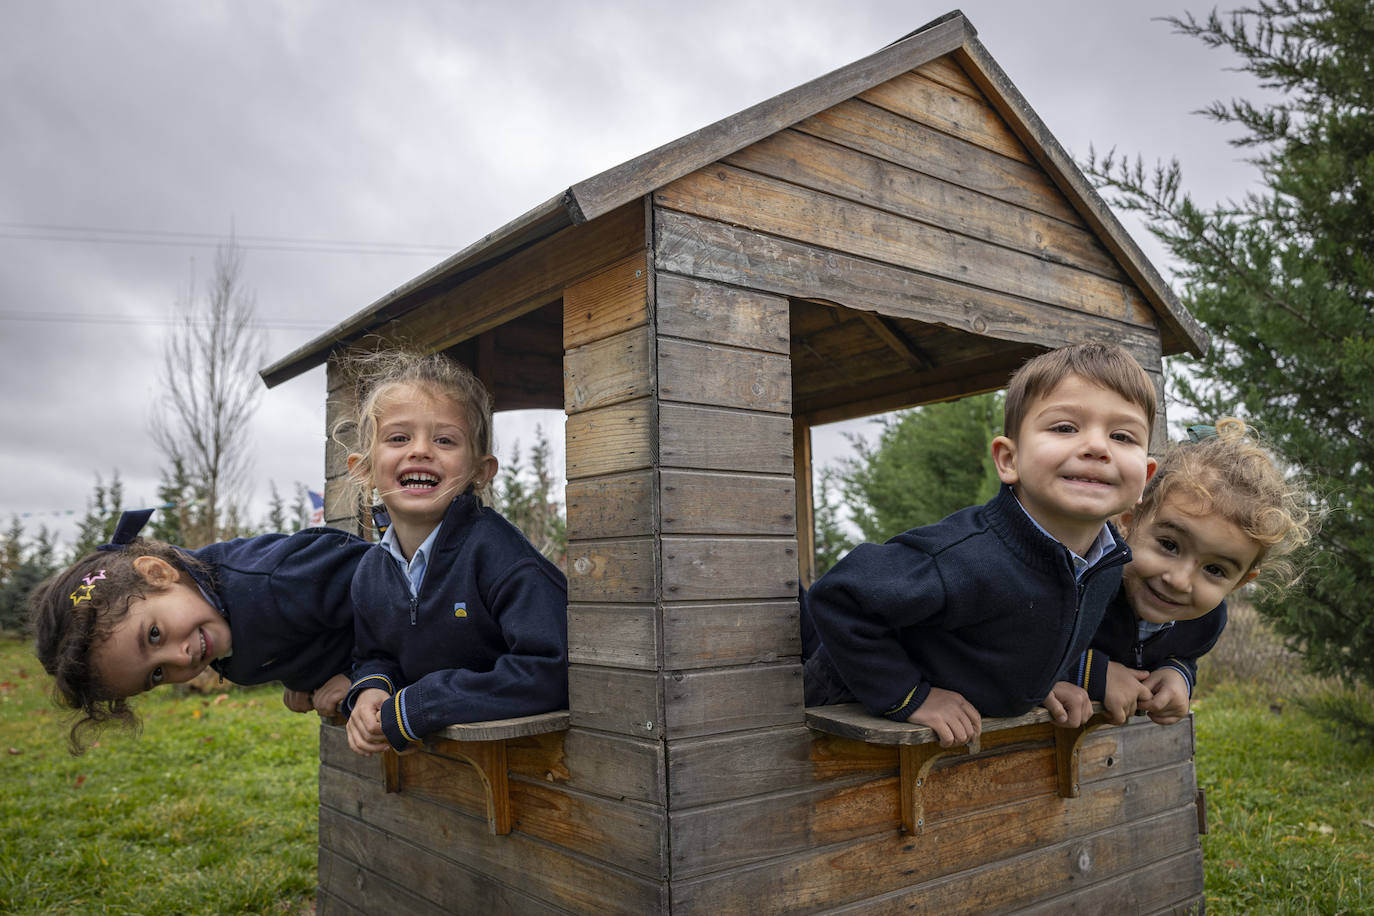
723	376
725	440
609	440
723	767
820	873
601	571
709	312
613	635
421	869
897	139
607	302
616	766
621	505
367	889
335	752
851	720
608	371
617	700
767	205
916	98
546	872
947	73
705	248
705	635
527	280
501	729
1112	871
699	502
1173	886
702	568
731	699
326	904
861	176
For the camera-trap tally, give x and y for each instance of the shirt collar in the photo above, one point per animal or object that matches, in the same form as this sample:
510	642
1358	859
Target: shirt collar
1096	550
415	567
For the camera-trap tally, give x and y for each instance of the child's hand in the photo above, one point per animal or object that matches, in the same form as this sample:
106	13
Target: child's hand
1168	702
1125	692
950	716
330	694
364	728
1068	705
296	700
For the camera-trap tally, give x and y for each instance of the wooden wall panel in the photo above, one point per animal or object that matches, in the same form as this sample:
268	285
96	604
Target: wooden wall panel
695	502
724	440
917	98
723	376
616	766
731	699
615	635
616	700
766	205
702	568
608	371
621	505
711	249
733	633
712	313
602	571
609	440
719	768
573	882
607	302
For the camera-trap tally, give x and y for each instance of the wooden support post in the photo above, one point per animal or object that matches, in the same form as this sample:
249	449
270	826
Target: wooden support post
806	507
916	761
488	758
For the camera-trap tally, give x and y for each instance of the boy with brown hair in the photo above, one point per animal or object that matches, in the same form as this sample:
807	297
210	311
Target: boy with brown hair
984	612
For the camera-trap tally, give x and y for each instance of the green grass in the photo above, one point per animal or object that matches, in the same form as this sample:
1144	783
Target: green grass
212	810
1290	803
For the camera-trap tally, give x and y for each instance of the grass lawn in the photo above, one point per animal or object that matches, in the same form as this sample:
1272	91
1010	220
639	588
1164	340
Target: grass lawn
213	810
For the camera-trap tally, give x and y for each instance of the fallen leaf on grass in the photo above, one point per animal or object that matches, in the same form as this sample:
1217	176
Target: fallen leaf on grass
14	751
79	780
195	714
1369	824
221	698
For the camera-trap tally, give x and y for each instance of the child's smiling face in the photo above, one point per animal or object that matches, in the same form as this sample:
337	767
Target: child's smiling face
167	637
1078	459
424	456
1183	565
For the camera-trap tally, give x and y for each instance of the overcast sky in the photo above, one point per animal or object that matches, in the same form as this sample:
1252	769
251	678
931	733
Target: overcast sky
328	134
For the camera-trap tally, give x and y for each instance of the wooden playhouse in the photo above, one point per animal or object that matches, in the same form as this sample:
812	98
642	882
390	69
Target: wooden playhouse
900	231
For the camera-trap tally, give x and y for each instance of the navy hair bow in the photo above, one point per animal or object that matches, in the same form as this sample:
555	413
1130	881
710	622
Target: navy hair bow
130	524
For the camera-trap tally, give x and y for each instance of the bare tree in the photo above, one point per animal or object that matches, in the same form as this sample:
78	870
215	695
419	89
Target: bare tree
210	391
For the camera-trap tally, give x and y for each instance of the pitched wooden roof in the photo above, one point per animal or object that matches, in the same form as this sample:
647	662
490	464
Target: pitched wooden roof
602	193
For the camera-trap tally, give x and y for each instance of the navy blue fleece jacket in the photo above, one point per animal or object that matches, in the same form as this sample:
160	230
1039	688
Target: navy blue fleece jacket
1178	646
485	638
286	600
982	602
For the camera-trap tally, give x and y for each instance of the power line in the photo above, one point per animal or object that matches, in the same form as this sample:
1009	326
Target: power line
106	235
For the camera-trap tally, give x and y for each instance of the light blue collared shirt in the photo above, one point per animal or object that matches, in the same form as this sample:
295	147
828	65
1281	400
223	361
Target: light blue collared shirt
415	567
1096	551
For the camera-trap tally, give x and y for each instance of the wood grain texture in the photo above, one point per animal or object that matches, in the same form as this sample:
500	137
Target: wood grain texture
706	568
731	699
734	633
607	302
723	376
697	502
724	440
617	700
712	313
729	195
620	505
613	635
609	440
719	768
915	97
611	571
608	371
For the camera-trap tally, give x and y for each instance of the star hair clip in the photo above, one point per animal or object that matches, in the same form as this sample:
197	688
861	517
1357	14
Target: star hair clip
83	592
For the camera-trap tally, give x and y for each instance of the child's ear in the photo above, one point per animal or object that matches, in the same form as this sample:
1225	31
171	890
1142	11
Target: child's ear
1151	466
485	471
1124	522
353	459
157	572
1004	458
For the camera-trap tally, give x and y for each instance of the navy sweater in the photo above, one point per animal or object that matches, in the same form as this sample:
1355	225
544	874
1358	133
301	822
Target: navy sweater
1178	646
485	638
286	600
982	603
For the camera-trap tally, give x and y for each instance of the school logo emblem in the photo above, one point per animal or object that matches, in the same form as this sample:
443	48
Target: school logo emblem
460	609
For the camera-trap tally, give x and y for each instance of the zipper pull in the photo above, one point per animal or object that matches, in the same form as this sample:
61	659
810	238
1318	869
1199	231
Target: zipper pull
414	608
